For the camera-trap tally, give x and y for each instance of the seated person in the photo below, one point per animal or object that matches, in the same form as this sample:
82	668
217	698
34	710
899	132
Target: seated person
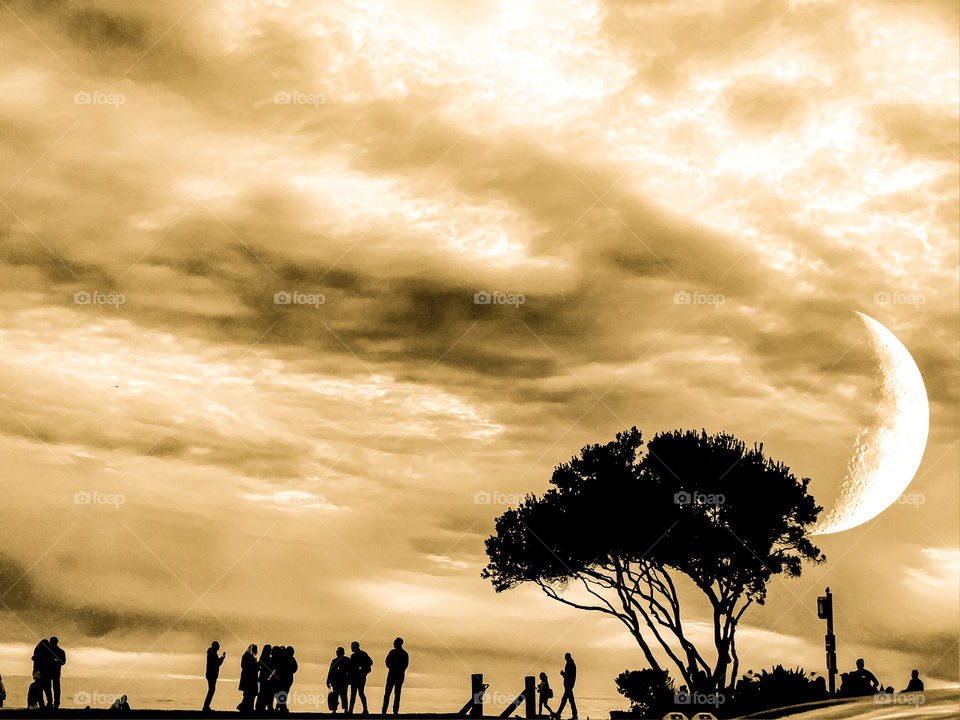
915	684
120	703
864	681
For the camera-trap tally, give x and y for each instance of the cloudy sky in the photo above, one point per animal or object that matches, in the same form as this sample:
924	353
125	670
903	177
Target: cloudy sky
680	205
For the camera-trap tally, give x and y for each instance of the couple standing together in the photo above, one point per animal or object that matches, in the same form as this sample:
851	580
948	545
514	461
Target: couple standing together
48	658
351	673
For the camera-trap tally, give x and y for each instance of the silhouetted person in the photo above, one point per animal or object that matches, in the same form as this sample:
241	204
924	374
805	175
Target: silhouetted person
3	692
43	664
265	672
915	684
286	667
57	661
214	662
545	693
569	674
248	679
360	666
35	692
397	661
120	704
338	679
865	682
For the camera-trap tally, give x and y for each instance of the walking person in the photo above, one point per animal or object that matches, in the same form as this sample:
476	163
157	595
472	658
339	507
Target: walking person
248	679
214	662
265	671
545	693
569	675
360	666
397	661
338	680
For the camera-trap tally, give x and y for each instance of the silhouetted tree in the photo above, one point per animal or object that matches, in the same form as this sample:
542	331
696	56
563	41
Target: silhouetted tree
618	525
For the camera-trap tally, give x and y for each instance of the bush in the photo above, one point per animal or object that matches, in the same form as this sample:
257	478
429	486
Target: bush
778	687
649	691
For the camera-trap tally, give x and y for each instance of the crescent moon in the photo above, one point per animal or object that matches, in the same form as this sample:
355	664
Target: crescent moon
888	453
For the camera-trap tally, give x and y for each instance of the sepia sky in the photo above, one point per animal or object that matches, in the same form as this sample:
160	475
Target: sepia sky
686	203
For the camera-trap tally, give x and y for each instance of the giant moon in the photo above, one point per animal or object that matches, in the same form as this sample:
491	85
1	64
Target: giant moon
888	452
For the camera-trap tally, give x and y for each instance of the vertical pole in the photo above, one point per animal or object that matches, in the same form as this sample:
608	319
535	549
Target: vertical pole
476	692
825	612
530	696
831	645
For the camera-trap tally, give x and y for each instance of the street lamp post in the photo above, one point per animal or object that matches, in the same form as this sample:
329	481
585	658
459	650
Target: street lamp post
825	612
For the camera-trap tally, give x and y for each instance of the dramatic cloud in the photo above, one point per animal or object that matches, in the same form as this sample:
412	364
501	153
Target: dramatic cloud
296	298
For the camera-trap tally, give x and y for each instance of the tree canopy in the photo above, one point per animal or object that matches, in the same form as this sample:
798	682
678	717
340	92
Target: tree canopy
619	524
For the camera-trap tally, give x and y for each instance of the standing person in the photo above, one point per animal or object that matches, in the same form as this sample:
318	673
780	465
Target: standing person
569	675
545	693
265	672
286	669
3	692
397	661
248	679
360	666
338	680
214	662
43	669
58	659
35	692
